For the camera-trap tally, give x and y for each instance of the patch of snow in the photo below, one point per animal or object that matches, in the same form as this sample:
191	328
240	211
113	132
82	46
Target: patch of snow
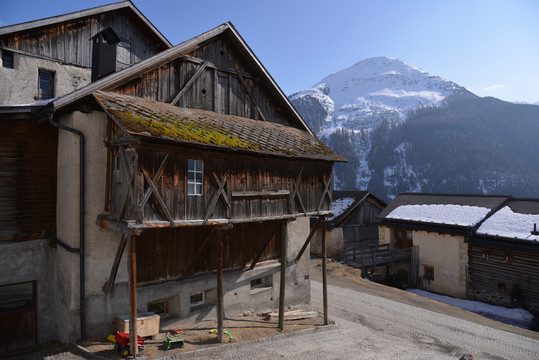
340	205
461	215
517	317
509	224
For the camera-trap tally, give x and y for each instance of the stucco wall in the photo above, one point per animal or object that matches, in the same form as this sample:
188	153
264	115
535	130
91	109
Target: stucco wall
34	260
334	242
448	255
101	246
20	84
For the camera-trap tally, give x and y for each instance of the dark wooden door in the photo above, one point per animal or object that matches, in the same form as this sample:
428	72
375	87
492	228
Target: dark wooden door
17	316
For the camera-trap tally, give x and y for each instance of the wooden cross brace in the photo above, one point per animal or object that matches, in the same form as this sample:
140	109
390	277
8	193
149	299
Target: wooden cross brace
327	192
295	194
220	193
129	174
152	189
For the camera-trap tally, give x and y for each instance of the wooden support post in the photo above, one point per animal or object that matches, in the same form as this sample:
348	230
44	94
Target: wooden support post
133	348
304	247
220	316
284	244
324	272
112	277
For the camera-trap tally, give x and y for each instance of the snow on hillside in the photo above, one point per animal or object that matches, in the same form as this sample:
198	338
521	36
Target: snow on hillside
363	96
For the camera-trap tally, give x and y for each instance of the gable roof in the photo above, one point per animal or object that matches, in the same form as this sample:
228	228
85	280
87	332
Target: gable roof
517	220
123	76
82	14
149	119
346	202
444	213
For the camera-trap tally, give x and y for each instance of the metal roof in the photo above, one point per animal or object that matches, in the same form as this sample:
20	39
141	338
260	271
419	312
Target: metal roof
81	14
161	121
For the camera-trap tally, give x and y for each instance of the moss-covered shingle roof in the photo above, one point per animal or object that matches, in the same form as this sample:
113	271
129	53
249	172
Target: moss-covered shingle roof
157	120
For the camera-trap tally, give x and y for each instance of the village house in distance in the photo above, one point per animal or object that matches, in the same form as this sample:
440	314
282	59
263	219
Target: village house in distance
137	176
478	247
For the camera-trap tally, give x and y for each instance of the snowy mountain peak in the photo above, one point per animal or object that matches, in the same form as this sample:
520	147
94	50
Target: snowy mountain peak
360	98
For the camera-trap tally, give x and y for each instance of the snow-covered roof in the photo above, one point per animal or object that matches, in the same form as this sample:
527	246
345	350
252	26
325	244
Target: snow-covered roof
510	224
460	215
340	205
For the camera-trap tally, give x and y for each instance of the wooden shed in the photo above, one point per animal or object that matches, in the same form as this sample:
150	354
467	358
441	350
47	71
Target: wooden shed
504	257
186	180
353	224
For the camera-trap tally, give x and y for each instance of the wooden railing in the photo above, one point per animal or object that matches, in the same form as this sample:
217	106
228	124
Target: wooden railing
376	255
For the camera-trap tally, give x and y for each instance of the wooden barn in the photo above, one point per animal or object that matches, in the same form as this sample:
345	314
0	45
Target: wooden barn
184	183
353	225
504	257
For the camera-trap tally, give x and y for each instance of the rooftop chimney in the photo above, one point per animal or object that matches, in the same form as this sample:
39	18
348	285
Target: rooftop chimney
104	53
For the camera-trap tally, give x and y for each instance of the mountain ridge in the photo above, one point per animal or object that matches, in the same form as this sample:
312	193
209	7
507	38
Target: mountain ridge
357	109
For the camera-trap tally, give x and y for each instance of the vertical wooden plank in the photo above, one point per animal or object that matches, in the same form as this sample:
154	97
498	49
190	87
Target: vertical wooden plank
220	316
133	348
284	238
324	271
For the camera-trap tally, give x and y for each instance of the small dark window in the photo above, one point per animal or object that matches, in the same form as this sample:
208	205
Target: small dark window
501	286
265	282
508	257
46	84
159	307
197	299
16	297
429	273
7	59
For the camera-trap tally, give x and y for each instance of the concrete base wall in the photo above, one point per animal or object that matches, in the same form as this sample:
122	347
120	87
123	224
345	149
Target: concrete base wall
334	242
34	261
237	292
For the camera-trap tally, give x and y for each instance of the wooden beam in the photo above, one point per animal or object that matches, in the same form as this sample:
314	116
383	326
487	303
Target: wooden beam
327	191
220	259
129	174
250	97
263	248
156	179
295	193
189	83
156	194
107	222
324	271
282	286
220	192
133	348
304	247
114	270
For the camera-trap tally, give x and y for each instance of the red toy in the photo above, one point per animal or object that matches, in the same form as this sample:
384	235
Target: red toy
122	343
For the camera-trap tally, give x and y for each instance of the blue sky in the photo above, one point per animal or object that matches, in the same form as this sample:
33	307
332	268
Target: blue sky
490	47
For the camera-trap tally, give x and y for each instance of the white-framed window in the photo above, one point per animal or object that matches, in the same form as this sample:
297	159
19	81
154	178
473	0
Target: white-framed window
194	177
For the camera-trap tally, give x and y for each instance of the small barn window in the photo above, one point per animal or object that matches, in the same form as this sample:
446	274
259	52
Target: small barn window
194	177
428	273
484	255
196	299
159	307
46	84
508	257
501	287
7	59
261	283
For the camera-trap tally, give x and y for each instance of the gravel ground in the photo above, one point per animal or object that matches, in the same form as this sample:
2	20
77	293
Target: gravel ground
371	327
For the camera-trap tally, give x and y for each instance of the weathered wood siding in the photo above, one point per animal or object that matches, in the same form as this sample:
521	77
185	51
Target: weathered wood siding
27	180
69	42
359	230
171	253
255	187
492	274
226	85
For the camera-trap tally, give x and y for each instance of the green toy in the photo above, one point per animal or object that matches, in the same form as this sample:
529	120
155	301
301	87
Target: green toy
226	332
173	341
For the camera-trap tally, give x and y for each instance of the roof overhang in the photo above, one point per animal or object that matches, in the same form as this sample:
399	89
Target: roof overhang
81	14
